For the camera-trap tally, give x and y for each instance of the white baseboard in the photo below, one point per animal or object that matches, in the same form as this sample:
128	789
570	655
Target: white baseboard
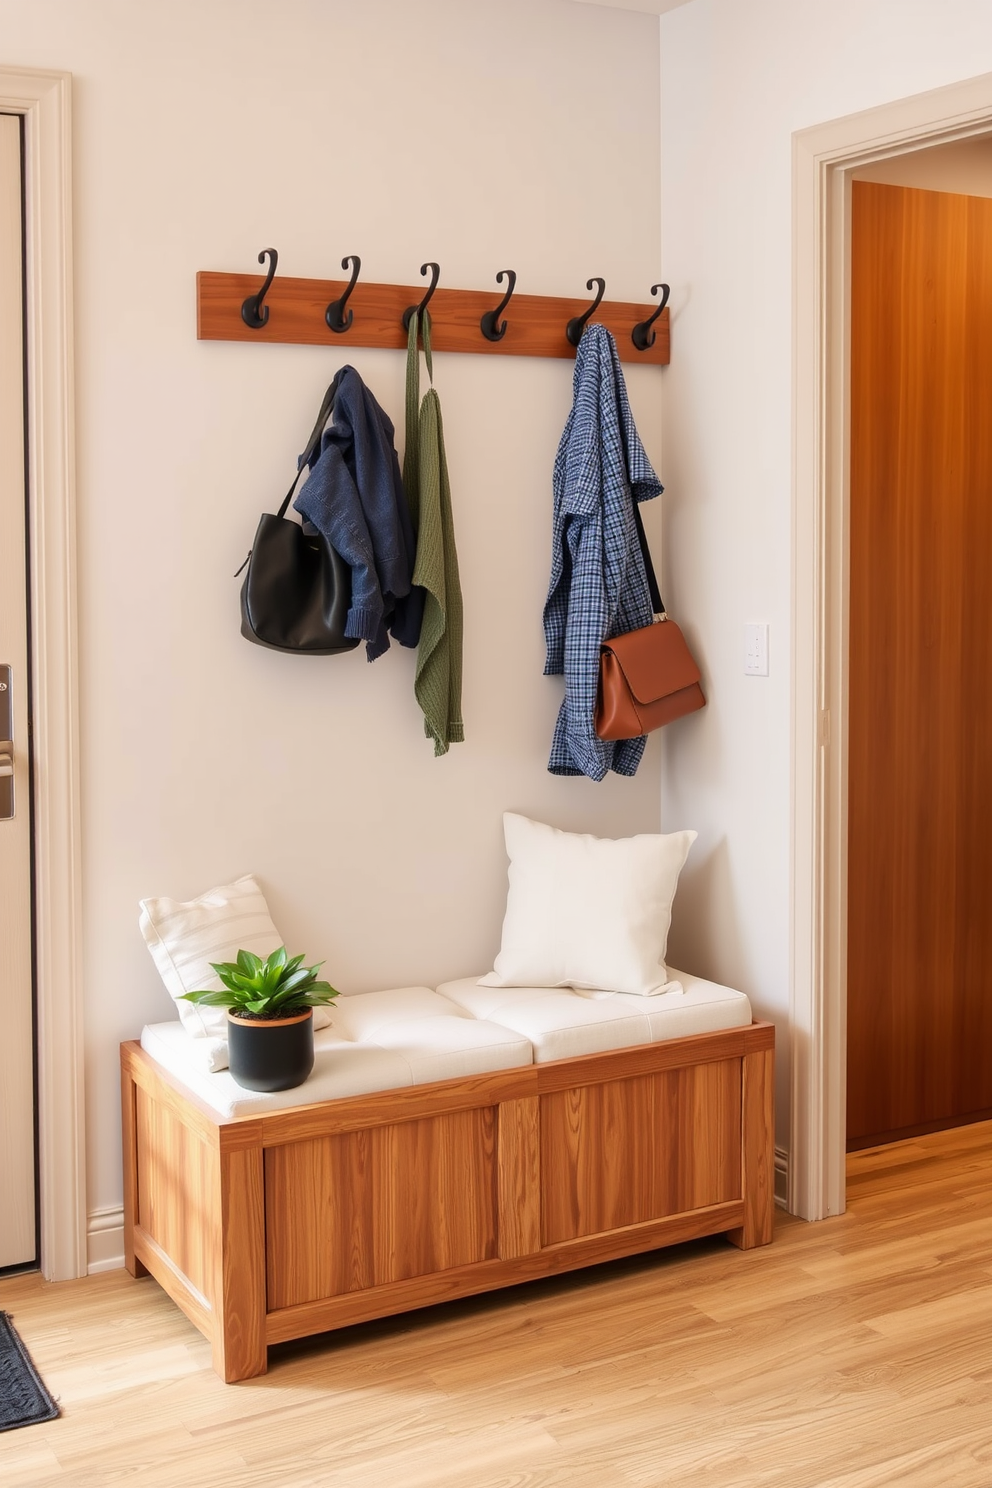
104	1240
781	1178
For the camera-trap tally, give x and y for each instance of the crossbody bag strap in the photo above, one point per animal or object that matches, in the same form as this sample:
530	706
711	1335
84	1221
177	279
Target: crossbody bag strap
656	604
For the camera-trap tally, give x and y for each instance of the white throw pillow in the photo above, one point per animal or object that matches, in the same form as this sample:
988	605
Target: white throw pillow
587	912
184	938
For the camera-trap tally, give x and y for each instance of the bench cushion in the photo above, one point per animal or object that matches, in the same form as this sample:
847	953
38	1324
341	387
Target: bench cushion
562	1023
376	1041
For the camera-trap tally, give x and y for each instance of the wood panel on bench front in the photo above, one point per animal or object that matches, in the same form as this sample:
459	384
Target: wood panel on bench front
361	1209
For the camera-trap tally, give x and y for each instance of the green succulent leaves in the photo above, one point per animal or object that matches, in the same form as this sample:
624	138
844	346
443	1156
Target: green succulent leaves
275	988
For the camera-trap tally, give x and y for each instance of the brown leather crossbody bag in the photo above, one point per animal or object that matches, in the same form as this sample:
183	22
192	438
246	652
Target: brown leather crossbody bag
647	677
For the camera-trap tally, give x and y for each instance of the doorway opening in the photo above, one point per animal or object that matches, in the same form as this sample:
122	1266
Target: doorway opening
18	1135
919	737
825	159
40	101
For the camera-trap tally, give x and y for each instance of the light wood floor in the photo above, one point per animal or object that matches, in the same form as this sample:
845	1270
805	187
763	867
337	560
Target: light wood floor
855	1353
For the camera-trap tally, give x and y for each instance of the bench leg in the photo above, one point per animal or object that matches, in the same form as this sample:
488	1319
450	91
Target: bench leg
239	1350
129	1117
757	1150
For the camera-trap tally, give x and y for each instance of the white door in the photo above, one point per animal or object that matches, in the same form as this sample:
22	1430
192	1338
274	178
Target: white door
18	1237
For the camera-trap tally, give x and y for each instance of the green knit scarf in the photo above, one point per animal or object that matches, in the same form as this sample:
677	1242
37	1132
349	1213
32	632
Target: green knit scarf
438	685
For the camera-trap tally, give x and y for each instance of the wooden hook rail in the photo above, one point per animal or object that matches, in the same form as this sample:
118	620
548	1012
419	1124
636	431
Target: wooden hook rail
535	323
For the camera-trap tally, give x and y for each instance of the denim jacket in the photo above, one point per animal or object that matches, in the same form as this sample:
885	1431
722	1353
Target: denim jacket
354	497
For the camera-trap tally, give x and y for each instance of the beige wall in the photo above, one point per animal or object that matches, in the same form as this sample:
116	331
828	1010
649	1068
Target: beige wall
737	81
484	135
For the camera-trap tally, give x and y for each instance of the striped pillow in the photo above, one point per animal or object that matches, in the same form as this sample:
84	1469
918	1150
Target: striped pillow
185	937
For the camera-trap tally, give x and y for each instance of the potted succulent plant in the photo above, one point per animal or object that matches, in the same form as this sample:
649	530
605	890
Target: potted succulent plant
269	1016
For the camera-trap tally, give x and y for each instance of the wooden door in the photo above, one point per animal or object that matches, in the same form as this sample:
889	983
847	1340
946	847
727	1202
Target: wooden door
920	744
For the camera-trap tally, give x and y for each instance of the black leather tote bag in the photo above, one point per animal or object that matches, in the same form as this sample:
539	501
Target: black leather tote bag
297	591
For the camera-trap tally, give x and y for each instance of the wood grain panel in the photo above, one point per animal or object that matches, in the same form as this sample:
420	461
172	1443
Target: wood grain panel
165	1089
518	1177
362	1209
920	746
467	1281
757	1150
178	1186
392	1107
642	1059
535	323
628	1151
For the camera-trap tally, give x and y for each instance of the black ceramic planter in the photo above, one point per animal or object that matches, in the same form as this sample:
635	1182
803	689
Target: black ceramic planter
270	1054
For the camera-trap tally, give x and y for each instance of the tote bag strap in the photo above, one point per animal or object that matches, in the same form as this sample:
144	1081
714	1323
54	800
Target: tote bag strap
313	444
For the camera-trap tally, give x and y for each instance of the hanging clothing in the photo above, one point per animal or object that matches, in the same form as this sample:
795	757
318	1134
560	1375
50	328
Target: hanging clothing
354	497
598	584
438	685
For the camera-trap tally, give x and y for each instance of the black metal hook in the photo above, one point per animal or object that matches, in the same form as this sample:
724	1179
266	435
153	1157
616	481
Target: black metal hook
253	312
639	335
489	324
335	315
419	309
575	327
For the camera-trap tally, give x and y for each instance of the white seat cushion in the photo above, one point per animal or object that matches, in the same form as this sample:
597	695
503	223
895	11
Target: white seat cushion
562	1023
362	1016
376	1041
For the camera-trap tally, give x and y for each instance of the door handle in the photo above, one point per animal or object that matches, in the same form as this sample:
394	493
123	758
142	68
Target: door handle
6	744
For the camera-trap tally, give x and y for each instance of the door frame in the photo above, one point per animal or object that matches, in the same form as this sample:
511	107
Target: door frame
822	159
43	99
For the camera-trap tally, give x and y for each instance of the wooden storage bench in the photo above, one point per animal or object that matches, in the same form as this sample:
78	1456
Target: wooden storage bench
290	1222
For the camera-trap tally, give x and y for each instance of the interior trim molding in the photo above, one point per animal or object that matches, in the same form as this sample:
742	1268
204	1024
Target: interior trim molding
105	1240
822	159
44	100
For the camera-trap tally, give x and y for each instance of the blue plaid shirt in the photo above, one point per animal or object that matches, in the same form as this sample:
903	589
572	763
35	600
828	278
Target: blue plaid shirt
598	585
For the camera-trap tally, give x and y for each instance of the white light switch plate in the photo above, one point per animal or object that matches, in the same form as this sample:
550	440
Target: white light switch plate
756	648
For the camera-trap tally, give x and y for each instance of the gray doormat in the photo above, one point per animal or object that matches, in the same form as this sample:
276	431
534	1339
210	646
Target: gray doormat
23	1398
